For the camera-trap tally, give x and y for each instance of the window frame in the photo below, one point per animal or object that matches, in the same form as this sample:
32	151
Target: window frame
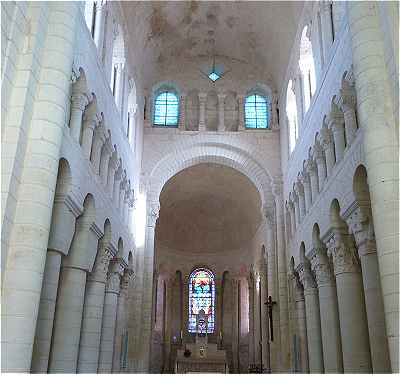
268	110
190	329
156	95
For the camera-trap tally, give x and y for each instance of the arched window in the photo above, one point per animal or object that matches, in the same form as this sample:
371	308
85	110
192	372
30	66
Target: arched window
166	109
307	68
256	111
201	296
291	112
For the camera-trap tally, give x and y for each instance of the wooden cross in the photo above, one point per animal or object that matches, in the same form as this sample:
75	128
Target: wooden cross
270	304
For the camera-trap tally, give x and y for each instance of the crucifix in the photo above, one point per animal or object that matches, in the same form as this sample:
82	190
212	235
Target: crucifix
270	305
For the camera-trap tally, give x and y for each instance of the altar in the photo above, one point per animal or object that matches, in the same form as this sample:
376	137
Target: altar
202	359
201	356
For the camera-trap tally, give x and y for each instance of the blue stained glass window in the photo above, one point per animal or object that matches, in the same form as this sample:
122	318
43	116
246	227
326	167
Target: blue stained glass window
201	296
166	109
256	112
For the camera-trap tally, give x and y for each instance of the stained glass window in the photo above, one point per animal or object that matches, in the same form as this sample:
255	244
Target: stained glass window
256	112
166	109
201	296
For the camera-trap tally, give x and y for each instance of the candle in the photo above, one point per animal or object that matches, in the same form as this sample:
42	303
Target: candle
181	335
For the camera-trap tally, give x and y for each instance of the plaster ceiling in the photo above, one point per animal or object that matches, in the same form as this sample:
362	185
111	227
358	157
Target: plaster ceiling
258	33
208	208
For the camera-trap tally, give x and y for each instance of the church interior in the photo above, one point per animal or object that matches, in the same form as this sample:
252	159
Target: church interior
198	187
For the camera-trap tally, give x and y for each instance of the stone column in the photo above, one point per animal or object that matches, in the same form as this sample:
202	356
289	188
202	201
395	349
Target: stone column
327	144
79	100
301	322
105	157
330	330
299	98
90	121
362	227
240	101
121	322
311	168
116	185
252	349
321	165
235	324
314	339
27	249
202	111
355	340
93	310
182	112
221	111
264	314
327	32
282	278
336	124
107	342
297	209
143	350
272	285
71	296
305	180
113	166
62	231
348	105
99	25
119	84
98	141
292	217
300	193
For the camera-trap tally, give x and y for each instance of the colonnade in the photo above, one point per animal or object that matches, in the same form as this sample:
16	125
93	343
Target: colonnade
344	313
335	138
229	108
88	128
81	283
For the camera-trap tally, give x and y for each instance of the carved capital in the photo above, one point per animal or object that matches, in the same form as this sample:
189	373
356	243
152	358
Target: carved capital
361	226
304	178
321	267
336	118
269	214
326	137
79	101
311	166
348	97
153	213
298	289
318	152
306	277
343	253
99	272
202	97
116	269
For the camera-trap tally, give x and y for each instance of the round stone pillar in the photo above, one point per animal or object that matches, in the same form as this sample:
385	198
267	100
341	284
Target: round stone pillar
327	143
352	315
182	113
93	311
301	322
362	227
302	203
221	111
305	179
282	278
98	141
377	103
28	240
240	101
79	100
314	339
336	124
202	111
292	217
348	105
327	32
99	22
321	165
90	121
115	272
311	168
329	313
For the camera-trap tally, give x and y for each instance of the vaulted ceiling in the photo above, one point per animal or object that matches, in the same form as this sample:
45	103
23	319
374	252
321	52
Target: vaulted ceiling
259	33
208	208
